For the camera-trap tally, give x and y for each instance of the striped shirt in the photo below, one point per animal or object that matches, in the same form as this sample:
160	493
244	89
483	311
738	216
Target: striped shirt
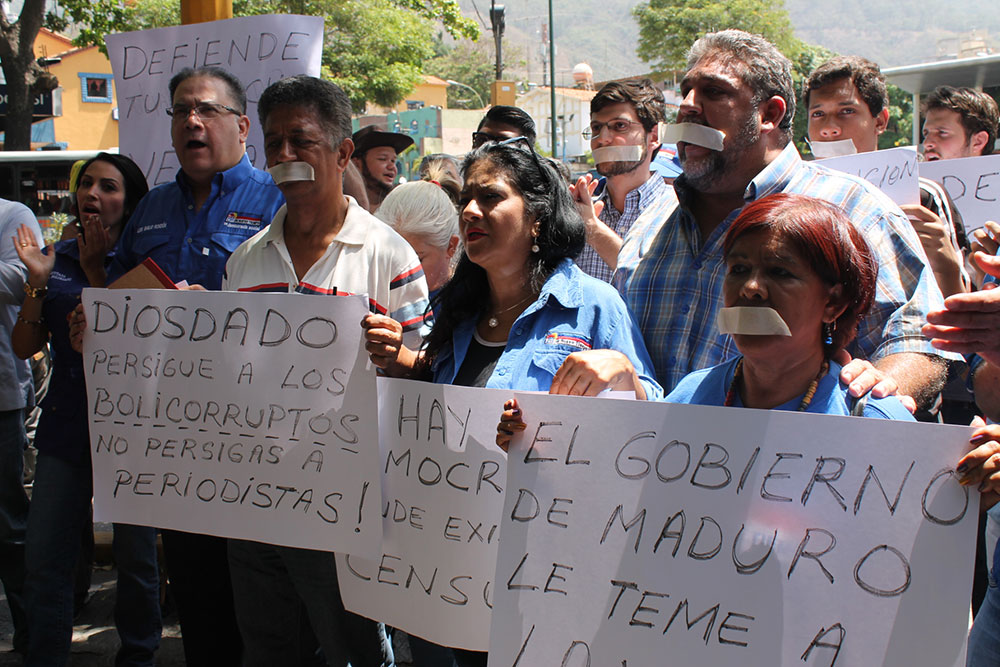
650	193
674	288
366	257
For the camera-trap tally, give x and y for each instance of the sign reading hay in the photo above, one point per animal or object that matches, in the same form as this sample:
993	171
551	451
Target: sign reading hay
974	186
893	171
723	536
442	494
234	414
258	50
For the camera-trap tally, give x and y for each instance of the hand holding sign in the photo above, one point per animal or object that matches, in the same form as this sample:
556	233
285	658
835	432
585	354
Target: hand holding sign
970	323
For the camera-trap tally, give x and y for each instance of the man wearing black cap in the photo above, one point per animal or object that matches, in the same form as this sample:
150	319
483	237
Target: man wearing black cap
375	155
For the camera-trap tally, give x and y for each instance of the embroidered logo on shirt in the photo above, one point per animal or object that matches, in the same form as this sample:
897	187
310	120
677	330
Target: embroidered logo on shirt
150	228
244	221
556	338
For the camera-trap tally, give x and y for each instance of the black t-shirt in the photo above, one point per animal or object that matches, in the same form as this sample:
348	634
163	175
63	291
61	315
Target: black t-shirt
479	362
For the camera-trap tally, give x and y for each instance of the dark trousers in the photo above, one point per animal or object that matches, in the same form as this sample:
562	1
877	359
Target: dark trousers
13	519
198	570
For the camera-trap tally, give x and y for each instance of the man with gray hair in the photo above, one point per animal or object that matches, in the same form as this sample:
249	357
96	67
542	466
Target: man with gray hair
320	242
740	85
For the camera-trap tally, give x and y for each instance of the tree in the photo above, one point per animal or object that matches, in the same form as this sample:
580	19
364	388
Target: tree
471	63
25	77
375	49
668	28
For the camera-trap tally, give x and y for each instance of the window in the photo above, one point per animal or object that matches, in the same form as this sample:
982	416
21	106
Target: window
95	87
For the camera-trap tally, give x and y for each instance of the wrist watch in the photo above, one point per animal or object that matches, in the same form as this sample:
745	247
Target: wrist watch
35	292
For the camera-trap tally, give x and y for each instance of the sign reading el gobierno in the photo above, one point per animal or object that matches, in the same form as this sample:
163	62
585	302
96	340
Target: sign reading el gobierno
241	415
258	50
723	536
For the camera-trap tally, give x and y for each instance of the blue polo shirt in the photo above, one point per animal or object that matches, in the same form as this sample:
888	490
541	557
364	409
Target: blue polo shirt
573	312
63	426
194	245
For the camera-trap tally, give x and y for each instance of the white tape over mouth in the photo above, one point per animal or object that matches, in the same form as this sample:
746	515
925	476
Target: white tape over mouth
285	172
692	133
838	148
617	154
752	321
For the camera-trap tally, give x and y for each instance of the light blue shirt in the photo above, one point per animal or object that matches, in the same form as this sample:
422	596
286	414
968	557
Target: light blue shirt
16	389
573	312
194	245
710	386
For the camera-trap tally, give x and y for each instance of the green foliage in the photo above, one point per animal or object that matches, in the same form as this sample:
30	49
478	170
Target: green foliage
472	63
668	28
899	131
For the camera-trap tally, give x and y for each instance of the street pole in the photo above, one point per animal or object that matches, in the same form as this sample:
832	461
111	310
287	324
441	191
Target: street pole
552	77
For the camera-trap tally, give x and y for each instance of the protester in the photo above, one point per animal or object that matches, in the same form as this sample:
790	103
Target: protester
375	155
320	243
518	313
741	85
16	399
959	122
423	214
110	188
624	116
504	122
189	228
802	258
444	171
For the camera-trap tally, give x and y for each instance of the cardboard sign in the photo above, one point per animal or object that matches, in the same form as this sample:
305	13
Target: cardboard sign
974	186
893	171
258	50
727	536
442	494
234	414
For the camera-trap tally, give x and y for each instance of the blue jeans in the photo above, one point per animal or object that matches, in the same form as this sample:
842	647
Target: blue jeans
984	640
60	507
13	519
288	599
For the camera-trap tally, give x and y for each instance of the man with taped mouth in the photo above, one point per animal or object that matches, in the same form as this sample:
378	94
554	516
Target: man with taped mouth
624	116
375	155
734	143
321	242
189	227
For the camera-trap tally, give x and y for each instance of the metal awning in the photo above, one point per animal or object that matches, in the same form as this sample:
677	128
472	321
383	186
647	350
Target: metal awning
979	72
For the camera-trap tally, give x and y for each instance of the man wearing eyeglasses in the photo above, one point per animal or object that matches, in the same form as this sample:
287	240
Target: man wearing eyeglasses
218	200
623	137
190	227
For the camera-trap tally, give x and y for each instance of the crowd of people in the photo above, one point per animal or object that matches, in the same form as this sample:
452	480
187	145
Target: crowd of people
755	279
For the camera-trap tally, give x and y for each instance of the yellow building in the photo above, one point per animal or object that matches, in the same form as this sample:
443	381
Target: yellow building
431	92
89	111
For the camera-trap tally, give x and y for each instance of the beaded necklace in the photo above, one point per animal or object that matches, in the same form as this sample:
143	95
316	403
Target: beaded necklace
806	400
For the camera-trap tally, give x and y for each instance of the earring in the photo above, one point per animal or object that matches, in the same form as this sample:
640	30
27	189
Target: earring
828	329
535	248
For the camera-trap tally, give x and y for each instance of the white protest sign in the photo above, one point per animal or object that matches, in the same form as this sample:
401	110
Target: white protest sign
442	495
893	171
728	536
236	414
258	50
974	186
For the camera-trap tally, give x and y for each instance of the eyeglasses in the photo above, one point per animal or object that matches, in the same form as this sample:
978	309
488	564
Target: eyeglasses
480	138
529	149
204	110
616	126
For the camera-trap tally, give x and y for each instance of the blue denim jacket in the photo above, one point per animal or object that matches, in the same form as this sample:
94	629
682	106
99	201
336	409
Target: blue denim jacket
573	312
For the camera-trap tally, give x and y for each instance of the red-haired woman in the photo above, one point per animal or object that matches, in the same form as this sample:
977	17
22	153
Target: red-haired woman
801	258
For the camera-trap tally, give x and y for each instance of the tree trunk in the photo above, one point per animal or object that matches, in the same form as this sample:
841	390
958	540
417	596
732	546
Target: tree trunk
17	53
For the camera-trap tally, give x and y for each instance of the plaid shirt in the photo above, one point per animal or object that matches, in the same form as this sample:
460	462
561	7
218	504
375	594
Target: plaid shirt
650	193
672	279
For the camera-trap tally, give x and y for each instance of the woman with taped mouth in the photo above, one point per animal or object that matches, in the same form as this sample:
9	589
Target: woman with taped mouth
518	313
109	190
799	277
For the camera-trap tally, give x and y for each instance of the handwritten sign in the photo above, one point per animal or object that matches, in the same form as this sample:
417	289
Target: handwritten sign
442	494
725	536
974	186
234	414
258	50
893	171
